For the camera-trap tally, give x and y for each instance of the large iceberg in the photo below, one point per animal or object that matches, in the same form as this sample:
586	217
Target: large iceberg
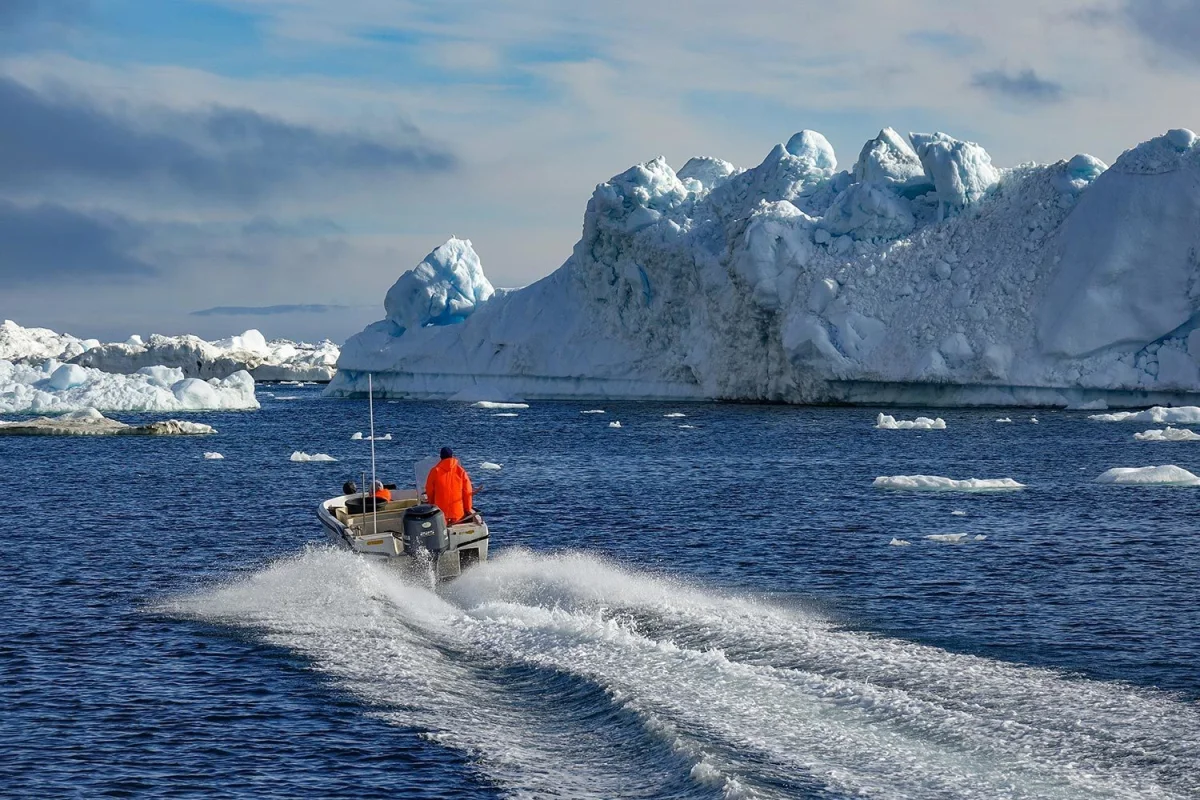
924	275
38	344
90	422
56	388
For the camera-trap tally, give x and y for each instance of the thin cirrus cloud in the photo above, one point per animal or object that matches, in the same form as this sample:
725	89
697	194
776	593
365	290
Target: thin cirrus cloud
258	311
1174	24
1024	86
46	243
223	153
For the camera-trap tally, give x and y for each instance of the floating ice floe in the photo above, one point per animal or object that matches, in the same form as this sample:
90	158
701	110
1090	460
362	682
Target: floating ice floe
935	483
1167	435
54	388
688	427
1181	415
958	513
492	465
674	415
90	422
593	411
979	537
356	436
497	404
506	414
615	424
1004	419
889	423
211	456
1168	475
899	542
1033	420
947	538
306	457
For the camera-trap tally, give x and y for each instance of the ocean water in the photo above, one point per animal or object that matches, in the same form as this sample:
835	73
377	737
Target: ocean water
672	612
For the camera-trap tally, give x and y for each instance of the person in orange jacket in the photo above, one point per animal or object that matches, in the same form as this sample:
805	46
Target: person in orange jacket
449	487
381	492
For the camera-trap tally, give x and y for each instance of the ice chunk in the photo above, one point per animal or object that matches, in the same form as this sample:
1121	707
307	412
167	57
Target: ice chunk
947	538
708	173
212	456
674	415
958	513
935	483
890	160
356	436
899	542
979	537
889	423
445	288
961	172
68	376
302	457
1167	435
1180	415
491	465
593	411
1004	419
506	414
813	148
1078	173
869	211
615	424
495	404
1168	475
688	427
1033	420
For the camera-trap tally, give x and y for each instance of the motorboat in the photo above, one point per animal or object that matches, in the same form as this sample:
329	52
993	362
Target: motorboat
405	529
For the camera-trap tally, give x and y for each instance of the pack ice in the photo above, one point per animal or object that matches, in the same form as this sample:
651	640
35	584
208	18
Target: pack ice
922	275
56	388
274	360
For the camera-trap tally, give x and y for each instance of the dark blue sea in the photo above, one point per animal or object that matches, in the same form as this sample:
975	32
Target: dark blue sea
714	611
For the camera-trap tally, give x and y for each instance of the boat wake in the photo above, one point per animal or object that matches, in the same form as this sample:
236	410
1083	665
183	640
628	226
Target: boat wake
571	676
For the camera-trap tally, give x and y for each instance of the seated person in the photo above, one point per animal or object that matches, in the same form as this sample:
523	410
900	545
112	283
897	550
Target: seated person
381	493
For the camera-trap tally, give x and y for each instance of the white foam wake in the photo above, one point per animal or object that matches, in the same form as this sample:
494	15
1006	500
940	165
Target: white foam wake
755	698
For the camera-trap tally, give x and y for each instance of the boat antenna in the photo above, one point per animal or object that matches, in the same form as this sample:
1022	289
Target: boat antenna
371	412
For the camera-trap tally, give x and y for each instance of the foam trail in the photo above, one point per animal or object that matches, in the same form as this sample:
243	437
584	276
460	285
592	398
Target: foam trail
573	677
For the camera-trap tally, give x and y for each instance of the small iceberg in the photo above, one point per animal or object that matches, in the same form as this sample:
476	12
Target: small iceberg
935	483
357	436
689	427
1033	420
495	404
615	424
1167	434
1159	415
1168	475
885	422
899	542
674	415
593	411
213	457
958	513
90	422
306	457
979	537
506	414
1004	419
947	538
492	465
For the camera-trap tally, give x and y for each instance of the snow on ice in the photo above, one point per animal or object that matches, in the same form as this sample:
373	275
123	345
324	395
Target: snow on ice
54	388
890	423
1185	415
923	274
1169	475
90	422
935	483
1167	435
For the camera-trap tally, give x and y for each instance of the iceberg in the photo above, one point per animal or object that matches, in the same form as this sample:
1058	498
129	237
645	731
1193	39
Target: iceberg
303	458
889	423
35	345
54	388
1169	475
490	465
1168	434
90	422
925	275
947	538
936	483
213	456
899	542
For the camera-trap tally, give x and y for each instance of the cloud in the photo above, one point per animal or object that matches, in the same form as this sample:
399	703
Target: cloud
1024	86
222	153
251	311
48	243
1174	24
948	43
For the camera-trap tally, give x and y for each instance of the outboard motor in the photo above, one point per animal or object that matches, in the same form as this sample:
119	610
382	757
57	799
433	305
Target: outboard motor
425	530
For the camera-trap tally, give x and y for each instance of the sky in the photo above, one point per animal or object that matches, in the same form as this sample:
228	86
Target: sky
208	166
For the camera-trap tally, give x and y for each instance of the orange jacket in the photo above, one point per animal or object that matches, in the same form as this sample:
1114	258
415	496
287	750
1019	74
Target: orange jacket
384	494
449	488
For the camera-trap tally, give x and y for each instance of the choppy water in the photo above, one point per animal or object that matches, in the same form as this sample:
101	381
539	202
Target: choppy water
671	612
